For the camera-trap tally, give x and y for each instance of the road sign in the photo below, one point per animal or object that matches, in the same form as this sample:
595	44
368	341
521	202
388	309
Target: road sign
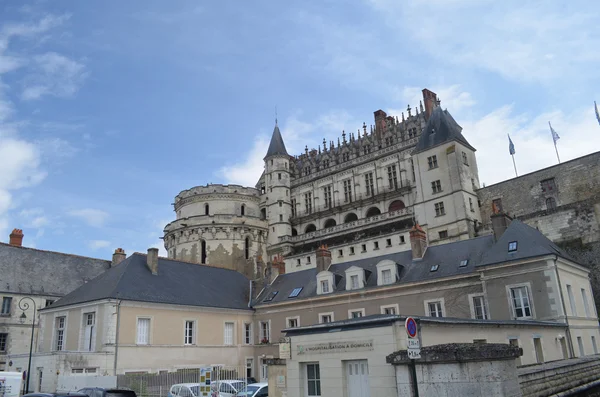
411	327
413	343
414	353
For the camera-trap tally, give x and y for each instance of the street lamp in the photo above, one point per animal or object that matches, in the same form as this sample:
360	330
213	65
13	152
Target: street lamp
25	306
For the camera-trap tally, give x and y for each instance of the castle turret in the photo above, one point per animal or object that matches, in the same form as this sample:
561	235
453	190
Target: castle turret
277	193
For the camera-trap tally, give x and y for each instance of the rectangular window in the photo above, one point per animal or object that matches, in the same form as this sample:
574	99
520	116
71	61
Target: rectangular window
512	246
325	286
364	247
188	336
471	205
388	242
327	197
520	301
143	331
308	202
325	318
292	322
548	185
580	344
479	308
391	310
89	331
340	253
402	240
264	371
435	309
356	314
293	207
313	380
432	161
375	245
279	176
586	305
228	334
265	332
351	250
280	218
386	276
49	302
348	191
571	300
443	234
436	186
3	341
6	306
249	367
439	209
248	333
392	177
298	262
354	282
59	336
308	259
369	184
465	158
594	345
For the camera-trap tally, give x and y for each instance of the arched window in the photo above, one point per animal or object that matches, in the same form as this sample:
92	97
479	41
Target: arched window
351	217
373	211
329	223
247	247
206	208
310	228
243	210
396	205
294	231
550	204
203	252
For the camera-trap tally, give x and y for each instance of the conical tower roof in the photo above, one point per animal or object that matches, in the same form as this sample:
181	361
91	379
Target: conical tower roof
276	147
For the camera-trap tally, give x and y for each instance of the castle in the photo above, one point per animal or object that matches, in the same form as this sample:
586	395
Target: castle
359	196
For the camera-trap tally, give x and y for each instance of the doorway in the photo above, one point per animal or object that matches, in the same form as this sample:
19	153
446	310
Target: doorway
357	378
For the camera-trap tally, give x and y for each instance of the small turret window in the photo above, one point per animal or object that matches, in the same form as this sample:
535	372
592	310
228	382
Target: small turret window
247	247
206	209
243	210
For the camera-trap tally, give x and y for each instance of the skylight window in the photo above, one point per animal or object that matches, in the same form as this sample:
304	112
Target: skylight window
434	268
464	263
512	246
295	292
271	295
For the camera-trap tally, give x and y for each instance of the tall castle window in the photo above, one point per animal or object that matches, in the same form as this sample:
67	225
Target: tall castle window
432	162
348	191
206	209
243	210
436	186
293	207
369	184
247	247
308	202
327	196
203	252
465	158
439	209
392	177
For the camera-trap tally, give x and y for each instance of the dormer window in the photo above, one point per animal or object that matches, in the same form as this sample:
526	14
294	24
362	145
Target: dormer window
464	263
354	282
324	282
355	278
387	272
512	246
325	286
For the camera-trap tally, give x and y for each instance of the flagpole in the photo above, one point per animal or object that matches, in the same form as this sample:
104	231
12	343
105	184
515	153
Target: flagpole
514	164
557	156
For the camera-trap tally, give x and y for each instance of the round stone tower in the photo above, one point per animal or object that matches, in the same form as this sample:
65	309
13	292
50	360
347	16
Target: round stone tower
218	225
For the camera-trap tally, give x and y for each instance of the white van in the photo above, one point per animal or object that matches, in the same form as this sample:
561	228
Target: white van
11	384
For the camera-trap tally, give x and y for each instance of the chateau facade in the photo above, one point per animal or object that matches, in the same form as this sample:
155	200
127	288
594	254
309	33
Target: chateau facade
359	196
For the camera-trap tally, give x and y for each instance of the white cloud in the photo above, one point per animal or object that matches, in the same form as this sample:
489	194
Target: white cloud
97	244
55	75
91	216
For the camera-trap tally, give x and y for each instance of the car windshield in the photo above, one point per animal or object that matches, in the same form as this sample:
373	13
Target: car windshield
250	390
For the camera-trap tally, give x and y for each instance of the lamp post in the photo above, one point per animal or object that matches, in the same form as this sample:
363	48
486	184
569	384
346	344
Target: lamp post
25	306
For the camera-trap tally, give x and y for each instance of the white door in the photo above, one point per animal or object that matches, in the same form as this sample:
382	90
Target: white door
357	374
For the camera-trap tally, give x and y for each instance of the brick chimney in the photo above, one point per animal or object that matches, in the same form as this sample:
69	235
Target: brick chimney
431	102
418	242
500	222
278	266
16	237
323	258
380	123
152	260
118	257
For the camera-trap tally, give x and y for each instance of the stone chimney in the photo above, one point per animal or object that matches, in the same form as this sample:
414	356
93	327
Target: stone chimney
277	267
152	260
118	257
323	258
380	123
431	101
418	242
500	222
16	237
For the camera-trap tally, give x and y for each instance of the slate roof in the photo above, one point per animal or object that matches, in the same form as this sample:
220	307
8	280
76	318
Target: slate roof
38	272
276	147
441	127
179	283
479	251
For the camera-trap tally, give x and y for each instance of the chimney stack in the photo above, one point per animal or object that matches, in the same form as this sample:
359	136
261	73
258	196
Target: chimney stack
152	260
277	267
16	238
500	222
418	242
118	257
380	124
430	100
323	258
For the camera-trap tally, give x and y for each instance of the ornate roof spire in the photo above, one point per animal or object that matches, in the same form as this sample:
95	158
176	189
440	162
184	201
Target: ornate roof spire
276	147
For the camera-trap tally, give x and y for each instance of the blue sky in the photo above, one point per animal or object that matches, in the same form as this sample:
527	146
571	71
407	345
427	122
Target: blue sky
108	108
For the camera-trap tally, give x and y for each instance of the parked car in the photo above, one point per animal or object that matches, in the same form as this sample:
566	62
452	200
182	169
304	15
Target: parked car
185	390
68	394
227	388
110	392
255	390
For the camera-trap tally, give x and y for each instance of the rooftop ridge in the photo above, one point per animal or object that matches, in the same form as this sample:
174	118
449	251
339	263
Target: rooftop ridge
188	262
54	252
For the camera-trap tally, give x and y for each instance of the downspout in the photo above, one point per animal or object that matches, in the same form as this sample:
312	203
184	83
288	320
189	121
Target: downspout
117	336
562	299
250	297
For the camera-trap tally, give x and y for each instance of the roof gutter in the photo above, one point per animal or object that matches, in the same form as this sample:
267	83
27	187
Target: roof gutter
117	336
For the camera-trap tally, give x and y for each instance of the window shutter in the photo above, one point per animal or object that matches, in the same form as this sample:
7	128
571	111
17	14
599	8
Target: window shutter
143	331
